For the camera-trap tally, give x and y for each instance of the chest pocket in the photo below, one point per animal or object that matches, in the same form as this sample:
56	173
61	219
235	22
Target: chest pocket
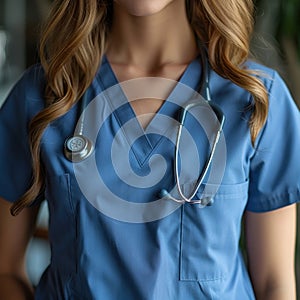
210	235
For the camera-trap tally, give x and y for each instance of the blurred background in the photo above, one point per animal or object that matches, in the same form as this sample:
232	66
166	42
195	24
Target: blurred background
276	43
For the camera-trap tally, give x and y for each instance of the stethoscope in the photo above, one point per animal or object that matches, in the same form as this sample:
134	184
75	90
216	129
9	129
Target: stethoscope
78	147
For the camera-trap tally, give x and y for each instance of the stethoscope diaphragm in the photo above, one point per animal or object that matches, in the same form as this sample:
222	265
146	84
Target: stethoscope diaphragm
77	148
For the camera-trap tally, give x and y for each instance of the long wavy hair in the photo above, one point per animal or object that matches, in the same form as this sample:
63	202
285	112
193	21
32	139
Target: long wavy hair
74	41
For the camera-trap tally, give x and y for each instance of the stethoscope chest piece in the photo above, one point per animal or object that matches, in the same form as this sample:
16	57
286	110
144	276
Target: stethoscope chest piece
77	148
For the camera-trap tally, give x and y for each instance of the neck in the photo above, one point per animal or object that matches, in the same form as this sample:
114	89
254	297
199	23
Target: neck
152	41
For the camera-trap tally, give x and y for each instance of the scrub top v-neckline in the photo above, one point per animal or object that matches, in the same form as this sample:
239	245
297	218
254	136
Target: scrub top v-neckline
124	112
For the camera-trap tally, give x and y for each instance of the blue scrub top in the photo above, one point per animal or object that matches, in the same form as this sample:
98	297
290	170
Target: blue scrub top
107	247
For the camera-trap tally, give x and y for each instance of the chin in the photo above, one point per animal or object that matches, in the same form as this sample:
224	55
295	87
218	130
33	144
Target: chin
143	8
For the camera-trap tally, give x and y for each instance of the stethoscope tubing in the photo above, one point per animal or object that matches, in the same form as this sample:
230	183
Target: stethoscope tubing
208	162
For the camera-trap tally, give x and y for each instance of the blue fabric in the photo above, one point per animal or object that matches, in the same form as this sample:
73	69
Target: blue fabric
191	253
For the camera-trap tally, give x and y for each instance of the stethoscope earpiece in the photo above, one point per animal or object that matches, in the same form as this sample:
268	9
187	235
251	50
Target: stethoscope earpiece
163	194
77	148
207	201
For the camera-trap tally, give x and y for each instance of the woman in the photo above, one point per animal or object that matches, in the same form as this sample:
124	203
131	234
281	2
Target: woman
88	47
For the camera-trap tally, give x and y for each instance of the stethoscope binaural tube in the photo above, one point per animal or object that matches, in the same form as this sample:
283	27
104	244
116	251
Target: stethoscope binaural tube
189	199
206	201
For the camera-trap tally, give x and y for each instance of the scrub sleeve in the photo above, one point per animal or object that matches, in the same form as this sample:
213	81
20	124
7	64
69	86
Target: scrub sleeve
275	167
16	165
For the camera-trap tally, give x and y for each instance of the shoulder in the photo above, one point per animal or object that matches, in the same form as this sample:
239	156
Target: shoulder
267	75
26	96
280	97
31	83
256	66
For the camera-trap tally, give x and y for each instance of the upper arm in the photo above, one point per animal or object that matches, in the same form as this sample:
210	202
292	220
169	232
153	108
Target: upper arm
15	233
270	239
